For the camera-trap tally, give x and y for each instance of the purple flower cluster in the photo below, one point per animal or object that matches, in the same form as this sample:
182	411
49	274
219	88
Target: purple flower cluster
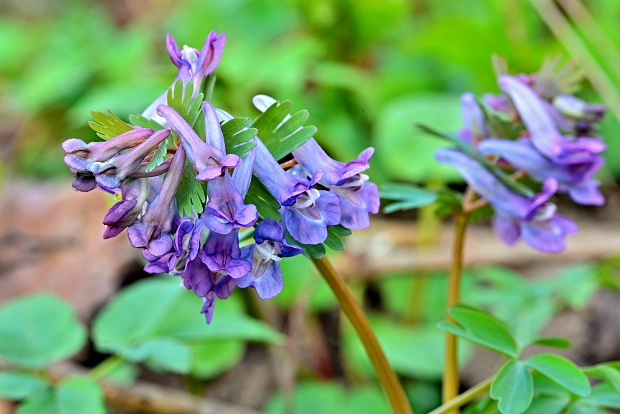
205	249
555	147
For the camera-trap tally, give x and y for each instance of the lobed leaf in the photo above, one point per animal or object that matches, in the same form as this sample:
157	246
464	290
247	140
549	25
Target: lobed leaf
141	121
282	135
236	136
513	388
191	193
562	371
266	205
108	126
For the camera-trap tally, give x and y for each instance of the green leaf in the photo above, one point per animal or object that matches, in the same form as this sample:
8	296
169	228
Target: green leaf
553	342
190	192
15	385
42	402
481	328
512	387
236	137
579	408
108	126
547	405
139	120
333	241
603	395
39	329
205	366
562	371
340	231
79	395
266	205
314	250
280	135
159	156
162	353
605	372
181	101
157	322
407	196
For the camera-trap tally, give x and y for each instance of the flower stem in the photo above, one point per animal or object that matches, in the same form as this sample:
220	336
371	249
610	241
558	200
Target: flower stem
451	368
468	396
388	379
106	367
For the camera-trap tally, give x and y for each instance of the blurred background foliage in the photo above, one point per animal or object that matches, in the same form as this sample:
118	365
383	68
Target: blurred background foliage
366	70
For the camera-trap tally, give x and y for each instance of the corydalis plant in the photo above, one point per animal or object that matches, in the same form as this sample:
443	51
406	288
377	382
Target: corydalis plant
194	182
534	132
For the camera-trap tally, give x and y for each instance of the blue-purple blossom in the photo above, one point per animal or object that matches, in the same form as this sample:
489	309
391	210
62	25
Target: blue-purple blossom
112	172
357	196
264	255
209	161
194	65
544	135
221	254
79	156
125	212
153	231
306	212
516	215
187	244
575	179
475	128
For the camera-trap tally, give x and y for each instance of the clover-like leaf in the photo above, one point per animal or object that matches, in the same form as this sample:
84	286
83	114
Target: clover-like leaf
562	371
513	388
480	327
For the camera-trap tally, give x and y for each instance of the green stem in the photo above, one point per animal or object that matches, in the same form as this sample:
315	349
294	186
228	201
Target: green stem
388	379
451	368
468	396
106	367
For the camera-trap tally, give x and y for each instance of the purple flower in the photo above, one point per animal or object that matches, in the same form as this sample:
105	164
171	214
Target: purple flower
270	247
207	284
544	135
209	160
193	65
221	254
153	230
125	212
475	129
187	244
575	179
532	218
79	156
158	264
112	172
306	212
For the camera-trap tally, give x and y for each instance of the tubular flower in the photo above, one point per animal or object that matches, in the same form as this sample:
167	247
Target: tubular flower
532	218
265	255
306	212
124	213
209	161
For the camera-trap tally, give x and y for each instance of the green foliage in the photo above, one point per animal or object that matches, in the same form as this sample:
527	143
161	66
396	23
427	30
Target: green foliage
560	370
331	398
282	135
237	136
71	395
108	126
37	330
481	328
406	196
266	205
513	388
181	101
139	120
190	192
16	385
158	323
